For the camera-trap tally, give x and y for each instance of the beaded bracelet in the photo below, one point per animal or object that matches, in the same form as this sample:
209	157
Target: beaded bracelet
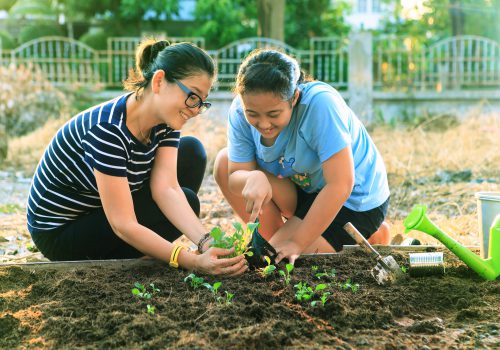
202	241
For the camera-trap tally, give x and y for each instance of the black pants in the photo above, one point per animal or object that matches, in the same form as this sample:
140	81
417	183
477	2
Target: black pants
91	236
367	222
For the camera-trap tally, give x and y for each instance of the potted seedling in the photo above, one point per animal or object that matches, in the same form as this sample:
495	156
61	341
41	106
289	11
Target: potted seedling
239	239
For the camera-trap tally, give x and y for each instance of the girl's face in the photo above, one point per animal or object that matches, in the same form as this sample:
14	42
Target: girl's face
267	112
172	99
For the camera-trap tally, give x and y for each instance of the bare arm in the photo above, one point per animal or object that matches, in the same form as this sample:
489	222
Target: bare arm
119	209
169	196
252	185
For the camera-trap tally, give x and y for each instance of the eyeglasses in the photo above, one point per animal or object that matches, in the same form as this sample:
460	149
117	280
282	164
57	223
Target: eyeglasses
193	100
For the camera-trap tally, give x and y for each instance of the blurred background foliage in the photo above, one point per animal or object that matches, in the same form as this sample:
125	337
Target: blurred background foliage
221	22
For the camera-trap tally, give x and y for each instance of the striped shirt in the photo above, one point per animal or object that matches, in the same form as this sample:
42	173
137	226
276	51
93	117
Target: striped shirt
64	186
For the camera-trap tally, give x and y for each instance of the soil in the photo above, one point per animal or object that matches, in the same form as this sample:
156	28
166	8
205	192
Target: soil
90	305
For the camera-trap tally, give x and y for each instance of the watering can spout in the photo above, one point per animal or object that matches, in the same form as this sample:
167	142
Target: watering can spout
488	269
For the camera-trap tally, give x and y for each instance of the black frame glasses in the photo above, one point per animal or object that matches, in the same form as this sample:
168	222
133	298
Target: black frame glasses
193	100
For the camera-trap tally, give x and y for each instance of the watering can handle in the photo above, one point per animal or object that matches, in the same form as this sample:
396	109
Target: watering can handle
358	237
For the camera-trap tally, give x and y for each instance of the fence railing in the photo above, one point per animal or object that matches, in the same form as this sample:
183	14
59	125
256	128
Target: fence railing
398	64
455	63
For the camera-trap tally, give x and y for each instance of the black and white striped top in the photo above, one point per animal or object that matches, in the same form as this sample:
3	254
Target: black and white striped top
64	186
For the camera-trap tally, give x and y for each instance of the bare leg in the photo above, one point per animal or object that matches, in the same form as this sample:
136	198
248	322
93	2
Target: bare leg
284	196
382	235
320	245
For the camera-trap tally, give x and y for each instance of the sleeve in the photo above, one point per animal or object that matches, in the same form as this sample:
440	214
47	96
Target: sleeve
325	127
240	143
168	137
105	150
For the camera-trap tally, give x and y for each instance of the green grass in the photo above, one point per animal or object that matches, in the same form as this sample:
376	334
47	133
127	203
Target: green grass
10	208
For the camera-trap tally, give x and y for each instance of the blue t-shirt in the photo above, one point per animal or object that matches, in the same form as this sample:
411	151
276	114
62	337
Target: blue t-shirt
320	126
64	186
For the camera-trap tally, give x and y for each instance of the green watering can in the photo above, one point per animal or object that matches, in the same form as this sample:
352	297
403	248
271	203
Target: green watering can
487	268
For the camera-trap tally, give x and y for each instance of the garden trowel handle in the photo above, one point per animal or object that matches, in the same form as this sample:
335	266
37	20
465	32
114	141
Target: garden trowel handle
358	237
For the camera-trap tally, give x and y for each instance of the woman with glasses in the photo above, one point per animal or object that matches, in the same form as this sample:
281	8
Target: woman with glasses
297	151
118	181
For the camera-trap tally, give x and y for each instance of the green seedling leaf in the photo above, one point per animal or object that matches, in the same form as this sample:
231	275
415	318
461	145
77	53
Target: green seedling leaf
321	287
286	273
194	280
151	309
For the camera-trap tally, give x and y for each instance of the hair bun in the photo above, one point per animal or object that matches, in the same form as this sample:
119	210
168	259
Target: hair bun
148	51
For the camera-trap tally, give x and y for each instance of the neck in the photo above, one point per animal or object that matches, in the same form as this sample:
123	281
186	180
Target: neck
137	118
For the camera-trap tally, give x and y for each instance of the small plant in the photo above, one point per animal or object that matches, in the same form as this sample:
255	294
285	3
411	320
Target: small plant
239	239
151	309
194	280
305	292
354	287
227	300
323	299
332	274
286	273
213	288
269	269
141	291
404	269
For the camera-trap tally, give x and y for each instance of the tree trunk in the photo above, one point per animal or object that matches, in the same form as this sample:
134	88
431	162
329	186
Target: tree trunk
457	17
271	16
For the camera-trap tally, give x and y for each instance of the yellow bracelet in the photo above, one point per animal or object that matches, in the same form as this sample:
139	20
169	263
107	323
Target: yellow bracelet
175	255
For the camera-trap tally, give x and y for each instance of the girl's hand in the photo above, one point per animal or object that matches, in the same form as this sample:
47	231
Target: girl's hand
257	192
209	262
287	249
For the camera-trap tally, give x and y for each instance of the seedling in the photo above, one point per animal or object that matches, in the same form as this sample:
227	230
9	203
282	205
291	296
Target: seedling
286	273
151	309
305	292
269	269
323	299
404	269
194	280
141	291
331	274
354	287
239	239
227	300
213	288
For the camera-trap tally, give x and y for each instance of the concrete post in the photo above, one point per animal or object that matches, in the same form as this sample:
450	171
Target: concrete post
361	75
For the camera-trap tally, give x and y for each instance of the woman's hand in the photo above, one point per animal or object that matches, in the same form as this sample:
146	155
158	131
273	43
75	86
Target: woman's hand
209	262
287	249
257	192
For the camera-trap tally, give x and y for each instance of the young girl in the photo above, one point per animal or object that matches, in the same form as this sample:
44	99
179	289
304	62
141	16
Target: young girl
296	150
117	181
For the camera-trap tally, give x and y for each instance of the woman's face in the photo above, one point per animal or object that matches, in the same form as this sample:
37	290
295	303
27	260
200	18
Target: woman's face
170	99
267	112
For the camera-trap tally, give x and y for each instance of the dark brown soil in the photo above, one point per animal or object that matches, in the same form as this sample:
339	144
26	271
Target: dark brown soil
91	306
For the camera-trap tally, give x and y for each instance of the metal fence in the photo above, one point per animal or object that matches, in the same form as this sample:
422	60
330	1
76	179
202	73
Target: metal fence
398	63
455	63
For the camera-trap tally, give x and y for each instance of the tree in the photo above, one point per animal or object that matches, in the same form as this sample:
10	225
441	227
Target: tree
271	17
224	21
309	18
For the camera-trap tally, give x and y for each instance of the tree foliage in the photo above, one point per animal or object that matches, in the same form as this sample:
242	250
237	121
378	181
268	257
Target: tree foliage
445	18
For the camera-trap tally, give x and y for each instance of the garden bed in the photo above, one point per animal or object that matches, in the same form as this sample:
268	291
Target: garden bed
90	305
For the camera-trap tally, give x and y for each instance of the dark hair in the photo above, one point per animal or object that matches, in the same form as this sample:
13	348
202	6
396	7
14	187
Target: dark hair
177	60
265	70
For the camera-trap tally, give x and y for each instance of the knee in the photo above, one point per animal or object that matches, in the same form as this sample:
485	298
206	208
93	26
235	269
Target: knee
193	200
193	149
221	169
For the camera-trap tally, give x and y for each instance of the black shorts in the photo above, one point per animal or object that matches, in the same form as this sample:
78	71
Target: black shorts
367	222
